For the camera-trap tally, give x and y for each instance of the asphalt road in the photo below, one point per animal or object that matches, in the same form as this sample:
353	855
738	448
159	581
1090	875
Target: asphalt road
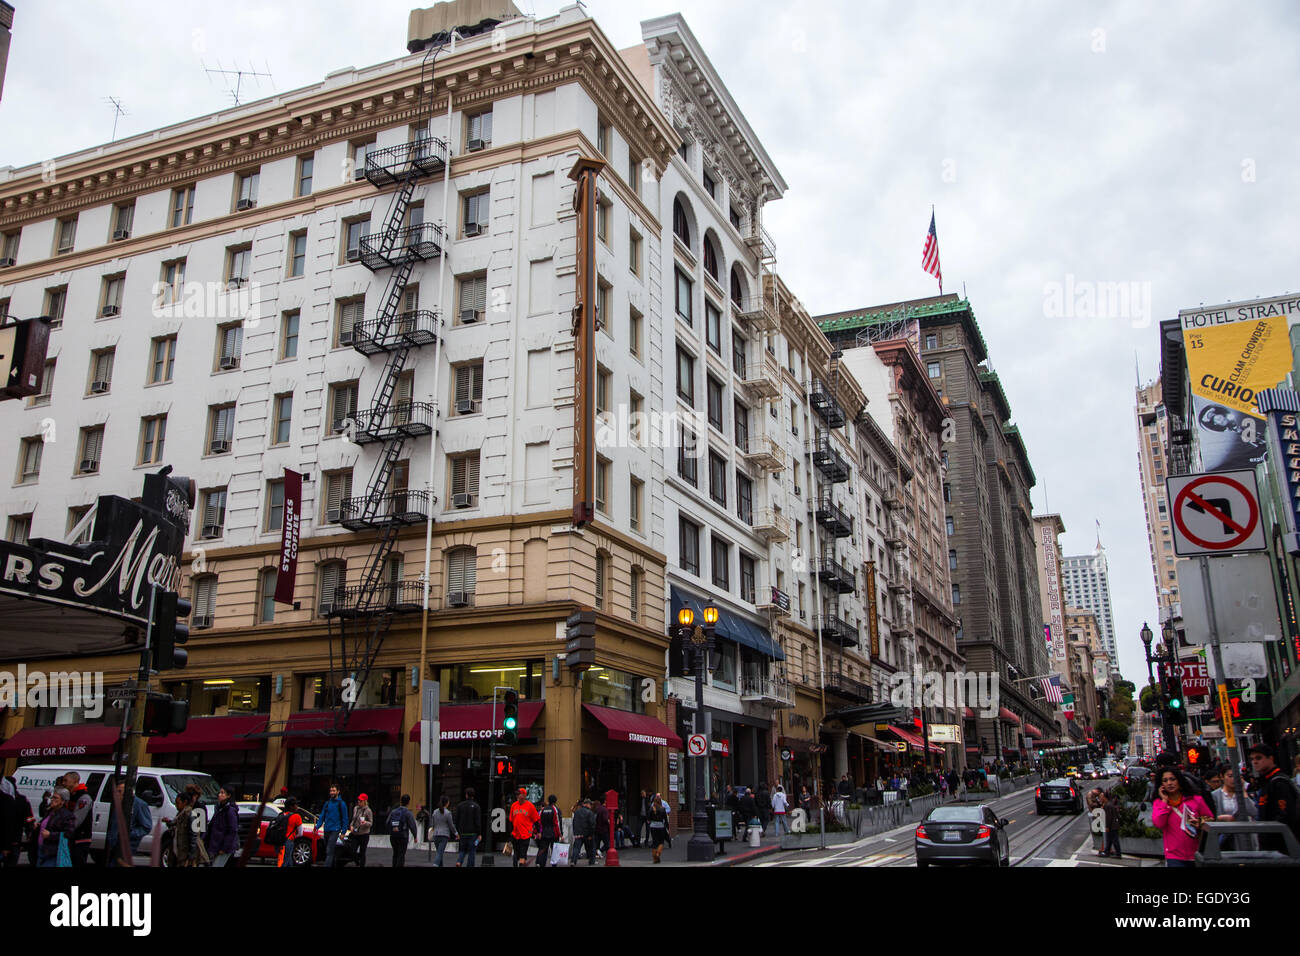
1053	840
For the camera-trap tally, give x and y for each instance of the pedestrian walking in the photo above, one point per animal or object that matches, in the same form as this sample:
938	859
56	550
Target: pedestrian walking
82	810
292	831
658	828
845	787
1226	803
1110	819
749	811
139	821
54	834
643	822
469	824
1276	796
549	831
182	852
779	807
1179	815
363	820
333	821
602	828
764	800
584	833
442	825
223	835
523	821
401	824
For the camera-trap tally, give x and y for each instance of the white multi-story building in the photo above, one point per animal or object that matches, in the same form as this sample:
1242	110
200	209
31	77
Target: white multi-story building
1087	585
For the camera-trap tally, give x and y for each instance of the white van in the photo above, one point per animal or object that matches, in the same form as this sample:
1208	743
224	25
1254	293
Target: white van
156	786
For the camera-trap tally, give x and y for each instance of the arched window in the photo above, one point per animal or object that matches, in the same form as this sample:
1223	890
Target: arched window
681	225
266	582
737	292
711	260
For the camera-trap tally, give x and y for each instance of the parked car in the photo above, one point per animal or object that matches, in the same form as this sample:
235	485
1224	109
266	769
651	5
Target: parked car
1059	794
307	848
962	834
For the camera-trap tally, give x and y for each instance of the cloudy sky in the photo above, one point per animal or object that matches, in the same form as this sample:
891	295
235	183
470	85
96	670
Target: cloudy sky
1061	144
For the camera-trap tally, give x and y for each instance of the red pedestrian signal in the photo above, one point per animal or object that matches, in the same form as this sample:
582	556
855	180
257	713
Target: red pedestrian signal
1195	756
505	767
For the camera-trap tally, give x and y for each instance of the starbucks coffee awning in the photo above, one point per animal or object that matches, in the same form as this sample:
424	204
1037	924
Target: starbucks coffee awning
634	728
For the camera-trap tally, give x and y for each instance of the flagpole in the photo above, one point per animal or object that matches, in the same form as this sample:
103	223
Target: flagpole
936	243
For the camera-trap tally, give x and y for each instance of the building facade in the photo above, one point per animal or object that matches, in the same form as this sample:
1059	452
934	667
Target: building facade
1087	586
1153	469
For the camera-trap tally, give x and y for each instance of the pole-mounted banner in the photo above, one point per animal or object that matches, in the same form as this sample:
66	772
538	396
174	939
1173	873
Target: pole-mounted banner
585	172
290	528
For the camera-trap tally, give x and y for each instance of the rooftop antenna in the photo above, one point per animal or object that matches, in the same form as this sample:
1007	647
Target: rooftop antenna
118	111
239	77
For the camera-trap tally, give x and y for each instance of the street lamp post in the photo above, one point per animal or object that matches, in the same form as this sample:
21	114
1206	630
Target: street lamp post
700	847
1166	732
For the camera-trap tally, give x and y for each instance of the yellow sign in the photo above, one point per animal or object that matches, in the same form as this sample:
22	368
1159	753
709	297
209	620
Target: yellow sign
1229	364
1225	714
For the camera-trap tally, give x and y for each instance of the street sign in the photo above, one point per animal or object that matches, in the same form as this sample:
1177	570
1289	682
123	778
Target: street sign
125	692
900	747
1225	711
1245	608
1216	513
430	742
697	745
430	692
945	734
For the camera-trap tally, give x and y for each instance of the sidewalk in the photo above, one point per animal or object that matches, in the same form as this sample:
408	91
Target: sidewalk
380	854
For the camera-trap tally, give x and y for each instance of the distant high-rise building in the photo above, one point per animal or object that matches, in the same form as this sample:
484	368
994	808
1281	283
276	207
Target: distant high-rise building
1087	586
1153	435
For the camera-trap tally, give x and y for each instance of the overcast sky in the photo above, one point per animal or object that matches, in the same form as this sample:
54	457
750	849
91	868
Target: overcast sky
1151	143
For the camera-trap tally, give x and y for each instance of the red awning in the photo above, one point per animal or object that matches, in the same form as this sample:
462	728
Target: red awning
972	750
213	733
1032	730
469	723
968	714
61	740
371	725
634	728
914	740
1009	717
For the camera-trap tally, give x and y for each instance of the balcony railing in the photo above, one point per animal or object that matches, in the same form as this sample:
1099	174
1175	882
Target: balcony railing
416	328
763	378
772	525
761	243
892	499
829	461
848	688
824	404
776	600
838	630
408	419
422	241
833	518
762	451
834	575
773	691
399	507
427	156
391	597
757	311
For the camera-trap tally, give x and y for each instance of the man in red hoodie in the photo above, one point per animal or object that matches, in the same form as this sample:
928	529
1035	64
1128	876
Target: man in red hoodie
523	818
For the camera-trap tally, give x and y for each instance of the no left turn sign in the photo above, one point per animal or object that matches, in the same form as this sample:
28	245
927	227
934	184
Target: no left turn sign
1215	513
697	745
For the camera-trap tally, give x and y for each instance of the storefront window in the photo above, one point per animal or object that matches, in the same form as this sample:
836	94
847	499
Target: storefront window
386	688
245	770
610	688
220	697
470	683
373	770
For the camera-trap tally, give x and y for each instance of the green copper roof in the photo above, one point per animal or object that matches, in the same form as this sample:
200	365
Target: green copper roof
1012	433
850	321
990	378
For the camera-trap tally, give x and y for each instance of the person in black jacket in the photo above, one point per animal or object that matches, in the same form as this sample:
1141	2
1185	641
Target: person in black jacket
748	807
1275	795
764	800
469	824
401	824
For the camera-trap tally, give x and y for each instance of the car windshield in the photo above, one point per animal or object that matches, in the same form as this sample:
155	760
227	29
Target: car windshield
956	815
177	782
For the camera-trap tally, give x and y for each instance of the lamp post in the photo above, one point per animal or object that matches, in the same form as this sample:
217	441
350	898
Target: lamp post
1166	728
700	847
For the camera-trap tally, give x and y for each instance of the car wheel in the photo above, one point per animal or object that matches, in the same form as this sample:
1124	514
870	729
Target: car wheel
302	853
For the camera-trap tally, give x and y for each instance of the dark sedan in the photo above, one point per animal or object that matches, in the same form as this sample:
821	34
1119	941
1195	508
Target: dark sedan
1060	794
962	834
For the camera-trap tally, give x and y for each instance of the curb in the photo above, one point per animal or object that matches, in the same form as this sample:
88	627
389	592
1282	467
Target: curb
732	860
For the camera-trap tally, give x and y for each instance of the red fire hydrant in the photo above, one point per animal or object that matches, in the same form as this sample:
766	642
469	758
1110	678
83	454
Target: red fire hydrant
611	804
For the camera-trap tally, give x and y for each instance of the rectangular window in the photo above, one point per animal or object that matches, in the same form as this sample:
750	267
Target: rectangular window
110	297
474	213
92	444
603	290
239	263
464	480
306	165
283	418
347	313
20	529
230	346
353	230
741	419
636	418
56	300
338	489
713	326
162	358
715	402
478	131
75	516
274	505
747	588
710	186
634	173
603	136
603	378
171	284
462	570
246	190
153	432
634	252
221	428
297	253
343	405
182	206
471	299
738	353
683	297
29	459
718	478
720	559
360	152
634	323
47	386
467	385
65	235
637	489
951	526
602	485
935	369
604	212
685	376
289	335
688	534
9	248
687	463
744	498
100	379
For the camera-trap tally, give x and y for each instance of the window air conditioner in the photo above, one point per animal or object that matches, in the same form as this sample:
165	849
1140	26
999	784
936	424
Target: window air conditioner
6	262
98	388
474	145
120	234
353	255
228	362
89	465
345	338
464	406
326	609
219	447
468	316
211	531
462	500
473	228
245	204
236	282
201	621
457	599
360	171
110	310
332	515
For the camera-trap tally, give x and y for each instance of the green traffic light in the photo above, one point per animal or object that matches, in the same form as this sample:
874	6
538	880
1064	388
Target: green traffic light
1175	703
510	723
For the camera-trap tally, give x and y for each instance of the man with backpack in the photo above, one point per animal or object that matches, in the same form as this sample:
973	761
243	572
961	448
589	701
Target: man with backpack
549	830
401	824
333	821
469	824
284	831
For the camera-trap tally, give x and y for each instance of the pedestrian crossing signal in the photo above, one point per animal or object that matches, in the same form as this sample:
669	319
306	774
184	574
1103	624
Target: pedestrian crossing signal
505	767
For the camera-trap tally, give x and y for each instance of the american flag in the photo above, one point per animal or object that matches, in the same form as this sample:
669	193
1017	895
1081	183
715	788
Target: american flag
1052	688
930	254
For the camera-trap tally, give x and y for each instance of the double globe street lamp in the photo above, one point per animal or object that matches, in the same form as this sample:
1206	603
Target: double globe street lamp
699	638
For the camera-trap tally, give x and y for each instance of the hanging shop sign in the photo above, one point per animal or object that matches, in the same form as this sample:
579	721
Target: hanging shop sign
290	529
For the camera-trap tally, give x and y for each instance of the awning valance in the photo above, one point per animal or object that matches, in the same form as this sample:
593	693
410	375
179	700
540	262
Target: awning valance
1009	717
634	728
468	723
60	741
213	734
914	740
730	626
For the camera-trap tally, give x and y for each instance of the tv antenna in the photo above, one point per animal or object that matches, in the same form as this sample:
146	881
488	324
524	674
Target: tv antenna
239	77
118	111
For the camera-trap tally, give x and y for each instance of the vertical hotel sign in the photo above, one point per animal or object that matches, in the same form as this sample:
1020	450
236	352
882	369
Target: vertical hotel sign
872	623
585	172
1281	406
290	530
1055	629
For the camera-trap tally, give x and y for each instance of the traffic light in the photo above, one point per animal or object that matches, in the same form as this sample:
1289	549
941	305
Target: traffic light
169	631
163	715
1196	756
1042	753
504	767
510	718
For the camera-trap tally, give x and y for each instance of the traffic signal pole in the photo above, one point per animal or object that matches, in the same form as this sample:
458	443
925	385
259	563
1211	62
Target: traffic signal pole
134	739
1221	686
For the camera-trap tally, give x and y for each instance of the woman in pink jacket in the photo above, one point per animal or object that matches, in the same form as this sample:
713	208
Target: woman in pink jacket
1179	817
